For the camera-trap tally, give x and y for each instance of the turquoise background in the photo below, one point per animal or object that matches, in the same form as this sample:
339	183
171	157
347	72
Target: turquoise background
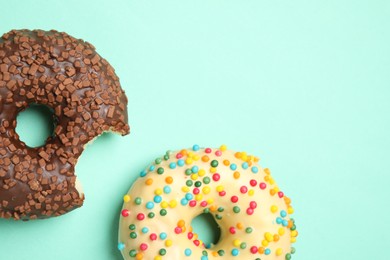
303	84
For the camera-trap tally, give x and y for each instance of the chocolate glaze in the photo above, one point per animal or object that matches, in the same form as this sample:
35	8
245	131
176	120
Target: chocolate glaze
67	75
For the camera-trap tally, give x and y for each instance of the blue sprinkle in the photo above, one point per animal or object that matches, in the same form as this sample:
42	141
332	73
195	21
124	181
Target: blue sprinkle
121	246
187	252
189	196
283	213
195	147
143	173
233	166
195	169
172	165
255	169
279	220
145	230
180	162
157	199
267	251
204	257
163	235
245	165
235	252
149	205
285	223
152	167
183	201
167	189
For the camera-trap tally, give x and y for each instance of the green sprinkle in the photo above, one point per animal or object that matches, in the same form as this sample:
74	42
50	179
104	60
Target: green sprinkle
219	217
138	201
288	256
292	250
204	252
162	251
293	227
189	183
221	252
166	157
220	209
188	172
151	215
158	160
206	210
248	230
132	227
206	180
214	163
243	245
160	170
163	212
133	235
198	184
133	253
236	209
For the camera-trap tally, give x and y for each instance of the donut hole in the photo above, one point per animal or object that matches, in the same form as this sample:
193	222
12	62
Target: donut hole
35	125
207	228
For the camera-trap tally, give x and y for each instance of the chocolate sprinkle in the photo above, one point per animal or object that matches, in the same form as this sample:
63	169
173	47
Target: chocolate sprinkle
81	88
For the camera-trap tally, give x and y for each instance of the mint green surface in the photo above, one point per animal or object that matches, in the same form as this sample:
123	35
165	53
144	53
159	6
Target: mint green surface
305	85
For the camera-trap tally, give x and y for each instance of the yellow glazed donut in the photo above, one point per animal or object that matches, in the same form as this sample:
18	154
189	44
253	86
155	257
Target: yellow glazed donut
250	209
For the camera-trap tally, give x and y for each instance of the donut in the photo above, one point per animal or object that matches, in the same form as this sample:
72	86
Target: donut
83	92
253	214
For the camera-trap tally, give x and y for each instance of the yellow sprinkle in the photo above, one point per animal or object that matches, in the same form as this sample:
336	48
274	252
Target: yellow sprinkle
149	181
219	188
294	233
223	148
188	160
168	243
236	175
158	191
251	192
190	154
226	162
206	190
281	231
198	197
256	159
244	156
290	210
213	169
274	208
172	203
157	257
201	172
279	251
293	239
164	204
185	189
264	243
268	236
236	242
267	171
126	198
194	176
196	157
210	201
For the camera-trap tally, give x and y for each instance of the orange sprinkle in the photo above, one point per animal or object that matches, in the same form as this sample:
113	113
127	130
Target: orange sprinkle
214	253
149	181
183	152
226	162
139	256
181	223
272	192
276	237
256	159
261	250
213	207
238	155
169	179
205	158
267	171
236	175
240	225
290	224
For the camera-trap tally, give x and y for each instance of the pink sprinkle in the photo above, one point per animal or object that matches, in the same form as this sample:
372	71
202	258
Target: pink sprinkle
222	193
254	250
280	194
232	230
143	246
253	183
207	150
192	203
196	191
140	216
153	236
216	176
243	189
196	242
253	204
178	230
218	153
190	235
125	213
203	203
249	211
179	156
262	185
234	199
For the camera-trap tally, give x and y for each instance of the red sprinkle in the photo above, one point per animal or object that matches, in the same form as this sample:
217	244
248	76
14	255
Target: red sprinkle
192	203
178	230
196	242
222	193
218	153
253	204
196	191
207	150
232	230
190	235
153	236
216	176
280	194
143	246
140	216
203	203
179	156
262	185
254	249
249	211
234	199
253	183
125	213
243	189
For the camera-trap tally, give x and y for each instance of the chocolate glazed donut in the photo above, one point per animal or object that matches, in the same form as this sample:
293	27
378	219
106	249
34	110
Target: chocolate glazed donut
81	88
